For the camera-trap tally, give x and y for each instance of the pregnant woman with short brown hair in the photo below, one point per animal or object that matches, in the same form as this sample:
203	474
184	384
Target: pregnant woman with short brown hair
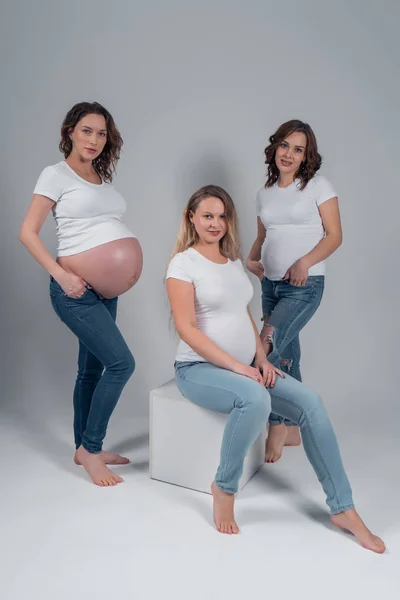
98	259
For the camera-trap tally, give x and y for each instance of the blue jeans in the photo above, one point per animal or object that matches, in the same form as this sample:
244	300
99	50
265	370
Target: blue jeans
248	404
286	310
105	362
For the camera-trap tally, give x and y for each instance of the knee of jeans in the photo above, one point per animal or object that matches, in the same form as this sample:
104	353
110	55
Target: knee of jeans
260	404
267	332
267	335
130	364
286	362
125	364
90	374
315	405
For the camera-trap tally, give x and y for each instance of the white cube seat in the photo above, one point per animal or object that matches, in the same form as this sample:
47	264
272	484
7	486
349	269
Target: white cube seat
185	441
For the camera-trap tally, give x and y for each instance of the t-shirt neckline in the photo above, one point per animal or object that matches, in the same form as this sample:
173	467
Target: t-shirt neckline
288	187
82	178
209	260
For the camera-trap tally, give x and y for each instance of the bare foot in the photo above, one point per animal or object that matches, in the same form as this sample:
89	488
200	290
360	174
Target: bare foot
276	439
109	458
293	436
223	510
95	466
351	521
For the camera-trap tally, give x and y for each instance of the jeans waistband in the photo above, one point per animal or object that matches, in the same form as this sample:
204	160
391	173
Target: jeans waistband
55	284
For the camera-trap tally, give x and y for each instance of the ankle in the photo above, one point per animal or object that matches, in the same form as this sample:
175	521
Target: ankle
217	490
277	426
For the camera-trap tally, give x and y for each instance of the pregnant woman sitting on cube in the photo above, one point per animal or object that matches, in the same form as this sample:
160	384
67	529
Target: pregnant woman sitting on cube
221	364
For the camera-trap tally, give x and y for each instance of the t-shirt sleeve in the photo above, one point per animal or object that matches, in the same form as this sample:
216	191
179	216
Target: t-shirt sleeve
49	184
324	190
180	268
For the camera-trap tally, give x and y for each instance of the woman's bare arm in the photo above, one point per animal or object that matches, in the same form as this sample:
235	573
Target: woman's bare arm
29	235
253	261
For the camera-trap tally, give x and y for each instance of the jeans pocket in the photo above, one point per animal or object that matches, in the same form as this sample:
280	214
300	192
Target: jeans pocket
181	368
310	284
54	303
70	300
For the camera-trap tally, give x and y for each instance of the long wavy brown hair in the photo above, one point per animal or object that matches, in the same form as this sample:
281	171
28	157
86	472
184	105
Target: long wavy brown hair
187	236
106	163
309	166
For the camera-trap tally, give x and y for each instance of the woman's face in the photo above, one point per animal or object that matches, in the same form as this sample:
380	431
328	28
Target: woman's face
291	152
89	137
209	220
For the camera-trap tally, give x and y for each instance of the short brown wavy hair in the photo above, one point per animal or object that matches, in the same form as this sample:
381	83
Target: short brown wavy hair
312	162
106	163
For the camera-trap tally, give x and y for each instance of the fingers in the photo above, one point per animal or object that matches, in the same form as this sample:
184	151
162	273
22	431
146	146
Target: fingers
296	280
257	375
273	378
256	268
76	294
268	379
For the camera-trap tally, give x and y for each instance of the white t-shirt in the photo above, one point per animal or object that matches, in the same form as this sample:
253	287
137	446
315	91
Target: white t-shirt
222	293
86	214
293	224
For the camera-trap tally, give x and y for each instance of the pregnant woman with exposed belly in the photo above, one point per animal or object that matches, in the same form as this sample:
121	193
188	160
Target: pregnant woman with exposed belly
98	259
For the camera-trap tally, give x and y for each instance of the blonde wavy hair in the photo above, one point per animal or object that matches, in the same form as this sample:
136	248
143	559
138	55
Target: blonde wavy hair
188	237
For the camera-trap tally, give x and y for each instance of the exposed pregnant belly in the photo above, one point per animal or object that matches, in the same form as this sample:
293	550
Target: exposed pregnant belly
111	269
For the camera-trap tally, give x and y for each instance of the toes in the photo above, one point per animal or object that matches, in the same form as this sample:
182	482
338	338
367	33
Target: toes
380	544
107	480
228	528
118	460
271	458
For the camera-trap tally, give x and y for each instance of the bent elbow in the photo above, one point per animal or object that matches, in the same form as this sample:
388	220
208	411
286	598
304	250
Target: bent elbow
22	235
336	239
25	235
184	331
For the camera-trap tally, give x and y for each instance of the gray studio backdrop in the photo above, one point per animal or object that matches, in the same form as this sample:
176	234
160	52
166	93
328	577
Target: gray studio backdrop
196	89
